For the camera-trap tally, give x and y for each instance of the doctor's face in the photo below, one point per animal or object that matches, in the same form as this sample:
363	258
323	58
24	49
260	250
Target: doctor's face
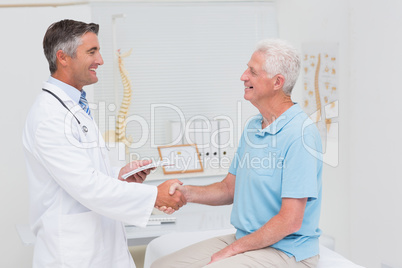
82	68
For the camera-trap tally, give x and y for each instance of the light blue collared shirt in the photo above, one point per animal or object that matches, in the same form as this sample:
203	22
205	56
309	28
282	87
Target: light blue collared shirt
72	92
275	163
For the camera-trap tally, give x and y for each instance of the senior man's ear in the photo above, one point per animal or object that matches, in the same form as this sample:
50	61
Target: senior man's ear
279	81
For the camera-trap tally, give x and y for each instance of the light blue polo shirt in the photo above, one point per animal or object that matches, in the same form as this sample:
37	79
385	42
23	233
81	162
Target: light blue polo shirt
282	160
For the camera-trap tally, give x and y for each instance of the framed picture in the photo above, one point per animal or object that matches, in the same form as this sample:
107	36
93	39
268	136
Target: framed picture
180	158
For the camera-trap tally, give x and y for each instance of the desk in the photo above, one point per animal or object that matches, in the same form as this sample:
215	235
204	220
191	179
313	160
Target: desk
192	217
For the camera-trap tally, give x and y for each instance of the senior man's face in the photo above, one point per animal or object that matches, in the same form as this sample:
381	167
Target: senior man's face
258	86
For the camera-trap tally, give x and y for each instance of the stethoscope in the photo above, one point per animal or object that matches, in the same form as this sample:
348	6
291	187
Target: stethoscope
84	128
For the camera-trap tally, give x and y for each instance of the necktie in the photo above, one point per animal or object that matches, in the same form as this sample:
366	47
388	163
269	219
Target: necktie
84	103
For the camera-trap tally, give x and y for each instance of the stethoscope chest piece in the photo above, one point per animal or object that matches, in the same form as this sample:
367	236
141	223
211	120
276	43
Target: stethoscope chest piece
85	129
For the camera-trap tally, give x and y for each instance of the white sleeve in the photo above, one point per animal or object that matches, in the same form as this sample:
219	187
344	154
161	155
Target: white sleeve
116	171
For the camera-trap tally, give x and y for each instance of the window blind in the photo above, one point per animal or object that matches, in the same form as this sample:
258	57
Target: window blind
186	61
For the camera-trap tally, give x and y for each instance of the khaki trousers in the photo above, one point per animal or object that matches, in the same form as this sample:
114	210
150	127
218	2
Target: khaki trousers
199	254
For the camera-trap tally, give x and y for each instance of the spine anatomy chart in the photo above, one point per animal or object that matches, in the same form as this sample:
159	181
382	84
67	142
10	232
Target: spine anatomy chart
320	94
125	104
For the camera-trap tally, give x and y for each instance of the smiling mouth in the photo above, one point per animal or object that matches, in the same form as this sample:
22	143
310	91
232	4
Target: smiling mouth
93	69
249	88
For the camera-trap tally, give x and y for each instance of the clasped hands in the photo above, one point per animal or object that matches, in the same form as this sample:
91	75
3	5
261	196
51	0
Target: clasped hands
175	190
168	199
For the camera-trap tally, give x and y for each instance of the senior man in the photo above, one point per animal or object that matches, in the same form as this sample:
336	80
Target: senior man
274	181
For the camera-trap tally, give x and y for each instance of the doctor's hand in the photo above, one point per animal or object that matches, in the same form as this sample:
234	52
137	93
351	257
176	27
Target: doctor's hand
175	186
137	177
165	199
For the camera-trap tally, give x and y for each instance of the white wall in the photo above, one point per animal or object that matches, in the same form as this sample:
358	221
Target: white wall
23	68
376	131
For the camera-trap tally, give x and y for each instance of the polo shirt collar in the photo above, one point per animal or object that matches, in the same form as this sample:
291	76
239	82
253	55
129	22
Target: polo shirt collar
279	123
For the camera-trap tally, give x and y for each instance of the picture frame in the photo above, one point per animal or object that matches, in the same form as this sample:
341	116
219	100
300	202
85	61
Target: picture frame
182	158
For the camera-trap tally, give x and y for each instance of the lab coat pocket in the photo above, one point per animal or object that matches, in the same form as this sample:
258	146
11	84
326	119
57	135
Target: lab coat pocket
80	239
265	161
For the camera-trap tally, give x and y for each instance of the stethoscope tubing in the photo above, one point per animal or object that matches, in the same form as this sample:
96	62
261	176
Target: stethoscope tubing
84	128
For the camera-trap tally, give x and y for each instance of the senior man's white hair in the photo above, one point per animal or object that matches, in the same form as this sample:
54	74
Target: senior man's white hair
280	58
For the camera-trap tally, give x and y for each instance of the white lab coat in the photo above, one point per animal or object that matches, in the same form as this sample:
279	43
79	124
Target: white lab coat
77	204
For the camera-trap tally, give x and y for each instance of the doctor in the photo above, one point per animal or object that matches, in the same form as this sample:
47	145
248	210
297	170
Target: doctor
78	206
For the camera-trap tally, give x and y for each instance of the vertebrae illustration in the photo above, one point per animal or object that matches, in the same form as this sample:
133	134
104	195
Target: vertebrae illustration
125	104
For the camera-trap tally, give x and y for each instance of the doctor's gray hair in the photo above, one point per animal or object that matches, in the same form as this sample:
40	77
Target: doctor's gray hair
280	58
65	35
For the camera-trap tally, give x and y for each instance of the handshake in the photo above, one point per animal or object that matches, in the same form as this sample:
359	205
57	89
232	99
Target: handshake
171	196
168	199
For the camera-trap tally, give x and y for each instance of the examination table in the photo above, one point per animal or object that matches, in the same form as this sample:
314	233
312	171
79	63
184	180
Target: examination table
171	242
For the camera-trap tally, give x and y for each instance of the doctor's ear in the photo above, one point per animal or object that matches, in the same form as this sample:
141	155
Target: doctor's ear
61	57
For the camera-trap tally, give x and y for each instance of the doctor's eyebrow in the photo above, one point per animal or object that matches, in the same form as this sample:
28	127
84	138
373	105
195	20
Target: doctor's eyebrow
93	49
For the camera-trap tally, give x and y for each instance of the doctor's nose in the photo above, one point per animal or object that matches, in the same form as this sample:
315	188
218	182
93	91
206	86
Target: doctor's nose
99	60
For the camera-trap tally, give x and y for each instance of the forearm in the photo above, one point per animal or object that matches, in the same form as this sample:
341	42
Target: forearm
214	195
270	233
286	222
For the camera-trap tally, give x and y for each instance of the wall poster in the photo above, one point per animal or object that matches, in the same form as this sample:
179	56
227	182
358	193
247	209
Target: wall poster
320	89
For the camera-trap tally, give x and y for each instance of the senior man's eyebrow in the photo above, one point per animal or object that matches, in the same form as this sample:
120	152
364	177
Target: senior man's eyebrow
252	69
